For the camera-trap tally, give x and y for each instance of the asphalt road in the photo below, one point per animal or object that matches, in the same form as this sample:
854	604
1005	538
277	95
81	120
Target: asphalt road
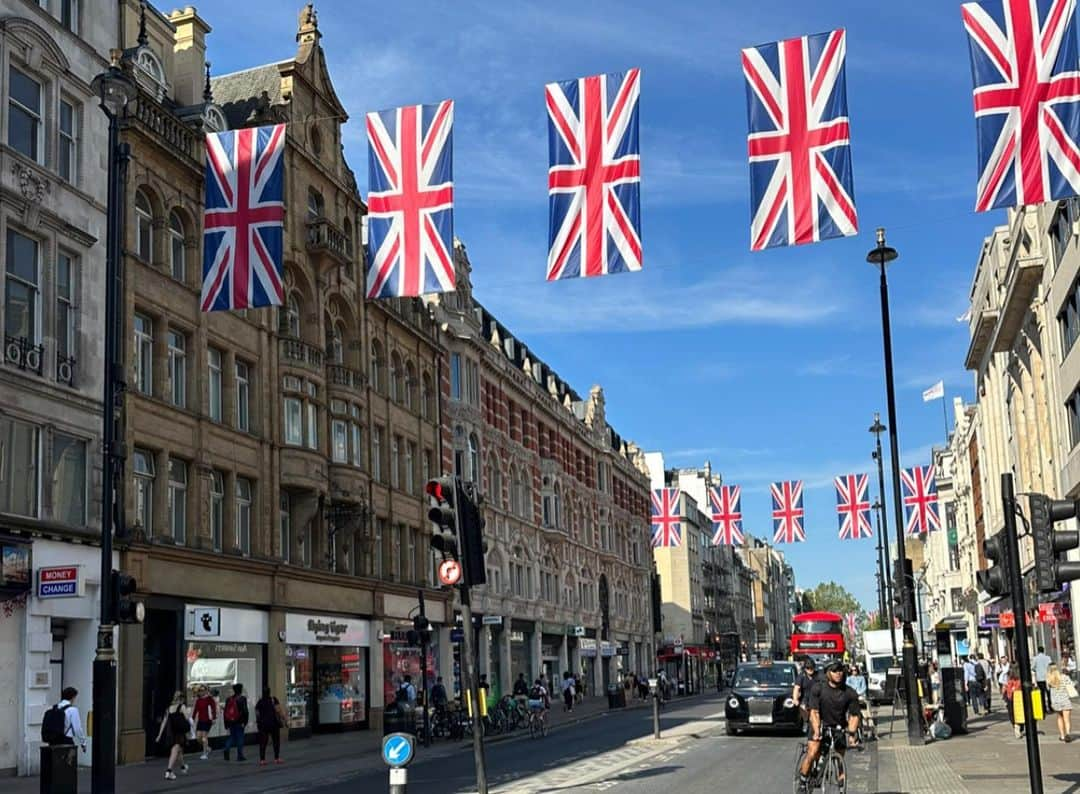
616	750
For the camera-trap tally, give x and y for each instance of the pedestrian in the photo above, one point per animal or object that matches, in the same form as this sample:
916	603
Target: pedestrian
1062	704
174	731
985	680
269	720
1068	664
408	690
643	686
521	688
1002	677
568	692
1040	665
971	684
579	688
236	715
205	715
935	683
61	725
1010	693
439	699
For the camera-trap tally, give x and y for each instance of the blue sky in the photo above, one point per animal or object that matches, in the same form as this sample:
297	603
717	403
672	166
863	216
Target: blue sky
766	364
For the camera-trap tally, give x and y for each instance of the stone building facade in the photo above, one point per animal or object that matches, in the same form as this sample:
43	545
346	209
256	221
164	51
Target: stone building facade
275	517
566	506
52	245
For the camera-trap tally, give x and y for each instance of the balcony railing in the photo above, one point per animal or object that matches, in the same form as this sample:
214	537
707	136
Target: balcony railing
65	369
293	350
324	238
343	376
22	353
156	120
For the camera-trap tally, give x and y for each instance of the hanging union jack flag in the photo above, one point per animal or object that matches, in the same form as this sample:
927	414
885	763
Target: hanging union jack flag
594	178
920	500
853	507
666	518
851	623
726	515
801	186
787	512
1027	100
243	217
411	201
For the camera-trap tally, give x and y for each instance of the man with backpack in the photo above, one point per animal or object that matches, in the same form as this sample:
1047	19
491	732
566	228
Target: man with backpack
987	681
977	685
235	716
60	724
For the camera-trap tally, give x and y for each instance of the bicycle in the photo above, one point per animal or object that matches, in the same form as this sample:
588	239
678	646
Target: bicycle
829	772
537	719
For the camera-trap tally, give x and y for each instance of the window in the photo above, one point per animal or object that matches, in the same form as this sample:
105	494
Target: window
18	467
410	463
410	385
68	479
396	376
1069	319
243	515
395	460
956	596
176	247
376	454
315	204
243	384
335	351
144	227
357	437
474	458
472	380
178	368
1061	231
69	15
428	466
65	312
291	320
285	525
217	508
21	291
144	354
340	434
213	366
67	147
178	500
410	553
427	397
25	127
144	491
1072	405
557	518
294	425
312	420
455	376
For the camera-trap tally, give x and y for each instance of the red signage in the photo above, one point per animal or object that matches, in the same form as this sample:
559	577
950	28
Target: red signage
58	582
1053	612
1007	620
449	572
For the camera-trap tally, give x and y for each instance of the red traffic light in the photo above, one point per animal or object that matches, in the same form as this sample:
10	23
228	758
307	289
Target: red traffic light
434	488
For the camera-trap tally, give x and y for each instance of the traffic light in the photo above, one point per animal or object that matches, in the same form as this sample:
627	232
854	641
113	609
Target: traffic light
1051	569
444	537
422	629
995	580
473	545
125	609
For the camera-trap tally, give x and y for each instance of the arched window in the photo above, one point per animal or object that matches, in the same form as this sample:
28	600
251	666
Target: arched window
558	507
376	365
410	385
347	228
289	317
335	347
495	480
474	458
397	378
144	227
315	204
427	397
177	254
515	491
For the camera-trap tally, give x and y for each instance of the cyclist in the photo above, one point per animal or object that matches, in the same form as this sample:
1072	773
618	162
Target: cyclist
800	693
832	703
539	701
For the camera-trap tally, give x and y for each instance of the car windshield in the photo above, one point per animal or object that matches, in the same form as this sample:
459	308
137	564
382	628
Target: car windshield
771	675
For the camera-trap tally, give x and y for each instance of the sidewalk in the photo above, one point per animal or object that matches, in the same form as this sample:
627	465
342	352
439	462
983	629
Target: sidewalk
306	760
987	757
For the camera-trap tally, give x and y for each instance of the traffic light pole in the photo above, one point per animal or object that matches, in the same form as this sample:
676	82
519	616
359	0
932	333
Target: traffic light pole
468	674
423	673
1023	656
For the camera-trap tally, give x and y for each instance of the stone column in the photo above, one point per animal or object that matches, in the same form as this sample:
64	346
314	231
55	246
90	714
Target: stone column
564	661
536	652
506	680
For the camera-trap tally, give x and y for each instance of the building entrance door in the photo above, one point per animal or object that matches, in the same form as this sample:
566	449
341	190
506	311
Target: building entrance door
161	674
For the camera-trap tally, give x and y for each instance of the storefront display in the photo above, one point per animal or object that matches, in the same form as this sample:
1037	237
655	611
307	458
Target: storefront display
219	665
327	672
401	659
299	686
341	685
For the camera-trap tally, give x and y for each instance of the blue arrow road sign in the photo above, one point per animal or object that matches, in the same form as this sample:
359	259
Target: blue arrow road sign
398	748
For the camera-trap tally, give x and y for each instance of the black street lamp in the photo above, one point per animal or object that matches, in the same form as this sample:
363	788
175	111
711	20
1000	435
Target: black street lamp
881	256
883	529
114	90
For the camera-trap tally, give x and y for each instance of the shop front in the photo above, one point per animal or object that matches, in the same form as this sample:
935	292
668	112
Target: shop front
551	646
588	648
402	658
493	668
326	673
521	656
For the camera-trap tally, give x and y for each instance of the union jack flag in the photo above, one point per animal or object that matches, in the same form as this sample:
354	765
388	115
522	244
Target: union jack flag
666	518
801	186
851	622
787	512
411	200
1027	100
853	507
594	178
920	500
726	515
243	217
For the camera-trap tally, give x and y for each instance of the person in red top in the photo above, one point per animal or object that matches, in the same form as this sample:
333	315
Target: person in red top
205	715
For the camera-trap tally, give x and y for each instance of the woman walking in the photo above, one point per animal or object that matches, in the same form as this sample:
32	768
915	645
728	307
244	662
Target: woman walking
174	731
1009	693
1060	702
205	715
269	719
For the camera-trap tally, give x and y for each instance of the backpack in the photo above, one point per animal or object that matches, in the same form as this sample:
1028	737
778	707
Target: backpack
178	724
53	725
537	693
980	673
232	709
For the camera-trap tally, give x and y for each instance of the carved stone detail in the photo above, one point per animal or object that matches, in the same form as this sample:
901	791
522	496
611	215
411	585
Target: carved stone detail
32	186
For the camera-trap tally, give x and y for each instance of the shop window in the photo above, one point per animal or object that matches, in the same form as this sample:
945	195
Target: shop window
217	666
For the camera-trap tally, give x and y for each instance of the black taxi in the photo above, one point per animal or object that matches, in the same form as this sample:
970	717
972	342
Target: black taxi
760	697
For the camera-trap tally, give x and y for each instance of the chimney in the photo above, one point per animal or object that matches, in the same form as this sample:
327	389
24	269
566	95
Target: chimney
189	56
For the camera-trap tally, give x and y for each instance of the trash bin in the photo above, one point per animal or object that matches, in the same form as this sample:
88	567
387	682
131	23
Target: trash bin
59	769
616	697
399	717
952	697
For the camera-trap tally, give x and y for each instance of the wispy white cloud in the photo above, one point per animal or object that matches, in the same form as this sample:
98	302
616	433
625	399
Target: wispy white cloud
721	452
841	364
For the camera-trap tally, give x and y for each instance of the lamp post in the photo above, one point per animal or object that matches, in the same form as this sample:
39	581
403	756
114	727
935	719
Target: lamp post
880	256
883	522
114	90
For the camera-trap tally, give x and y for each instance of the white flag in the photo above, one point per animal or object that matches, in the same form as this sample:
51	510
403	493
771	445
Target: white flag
935	392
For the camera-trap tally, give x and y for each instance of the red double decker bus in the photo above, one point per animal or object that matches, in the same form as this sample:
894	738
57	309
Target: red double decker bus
817	634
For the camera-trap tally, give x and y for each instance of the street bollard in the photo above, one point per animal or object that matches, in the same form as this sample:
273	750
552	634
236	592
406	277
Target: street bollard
399	779
397	751
655	689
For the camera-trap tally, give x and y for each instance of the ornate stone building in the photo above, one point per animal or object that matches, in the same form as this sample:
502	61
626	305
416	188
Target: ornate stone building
275	518
566	506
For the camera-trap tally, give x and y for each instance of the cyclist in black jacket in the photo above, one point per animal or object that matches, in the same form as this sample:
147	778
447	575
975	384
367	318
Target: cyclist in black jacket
832	703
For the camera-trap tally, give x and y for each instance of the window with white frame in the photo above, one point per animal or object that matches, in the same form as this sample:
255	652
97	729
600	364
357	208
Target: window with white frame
356	437
68	479
178	368
19	466
375	366
428	465
339	431
67	148
69	15
144	354
291	324
376	454
22	288
312	417
143	469
144	227
26	127
243	514
177	252
395	462
217	508
64	322
243	387
285	525
178	500
213	369
455	376
335	349
410	385
294	421
410	463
